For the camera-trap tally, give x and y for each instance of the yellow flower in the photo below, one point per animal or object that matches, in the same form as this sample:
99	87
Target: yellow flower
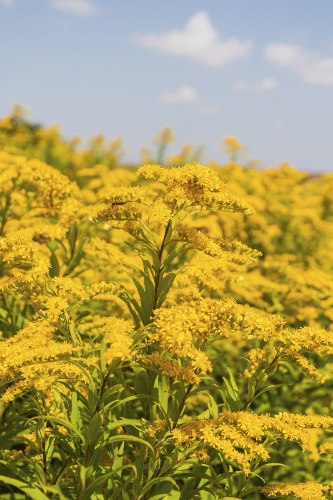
26	363
310	490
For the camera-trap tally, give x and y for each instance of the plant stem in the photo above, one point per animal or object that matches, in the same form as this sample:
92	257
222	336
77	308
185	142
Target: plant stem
159	270
182	405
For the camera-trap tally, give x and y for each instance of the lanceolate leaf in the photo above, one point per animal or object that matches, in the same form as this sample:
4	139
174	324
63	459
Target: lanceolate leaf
31	491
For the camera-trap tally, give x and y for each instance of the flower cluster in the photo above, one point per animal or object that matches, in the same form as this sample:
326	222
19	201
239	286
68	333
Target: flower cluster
194	185
26	364
240	436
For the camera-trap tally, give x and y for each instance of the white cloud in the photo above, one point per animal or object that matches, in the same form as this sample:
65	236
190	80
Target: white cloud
241	86
310	66
199	41
184	94
78	7
7	3
265	85
285	54
320	72
187	95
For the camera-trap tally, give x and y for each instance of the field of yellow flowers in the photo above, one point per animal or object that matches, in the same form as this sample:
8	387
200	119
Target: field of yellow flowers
166	331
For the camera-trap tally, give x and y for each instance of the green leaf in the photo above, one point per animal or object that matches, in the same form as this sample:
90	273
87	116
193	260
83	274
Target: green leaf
49	449
55	268
94	429
123	422
146	306
148	268
118	458
111	395
135	317
268	388
61	421
155	258
121	402
75	261
134	439
163	392
55	490
31	491
231	392
232	381
202	475
271	464
156	480
85	473
161	496
72	237
105	477
164	287
169	462
172	255
3	313
150	290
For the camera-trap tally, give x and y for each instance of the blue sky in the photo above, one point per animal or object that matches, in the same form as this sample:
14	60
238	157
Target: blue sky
261	70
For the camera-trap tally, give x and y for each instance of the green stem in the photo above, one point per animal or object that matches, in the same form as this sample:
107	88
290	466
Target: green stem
182	405
62	470
159	270
101	392
90	447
